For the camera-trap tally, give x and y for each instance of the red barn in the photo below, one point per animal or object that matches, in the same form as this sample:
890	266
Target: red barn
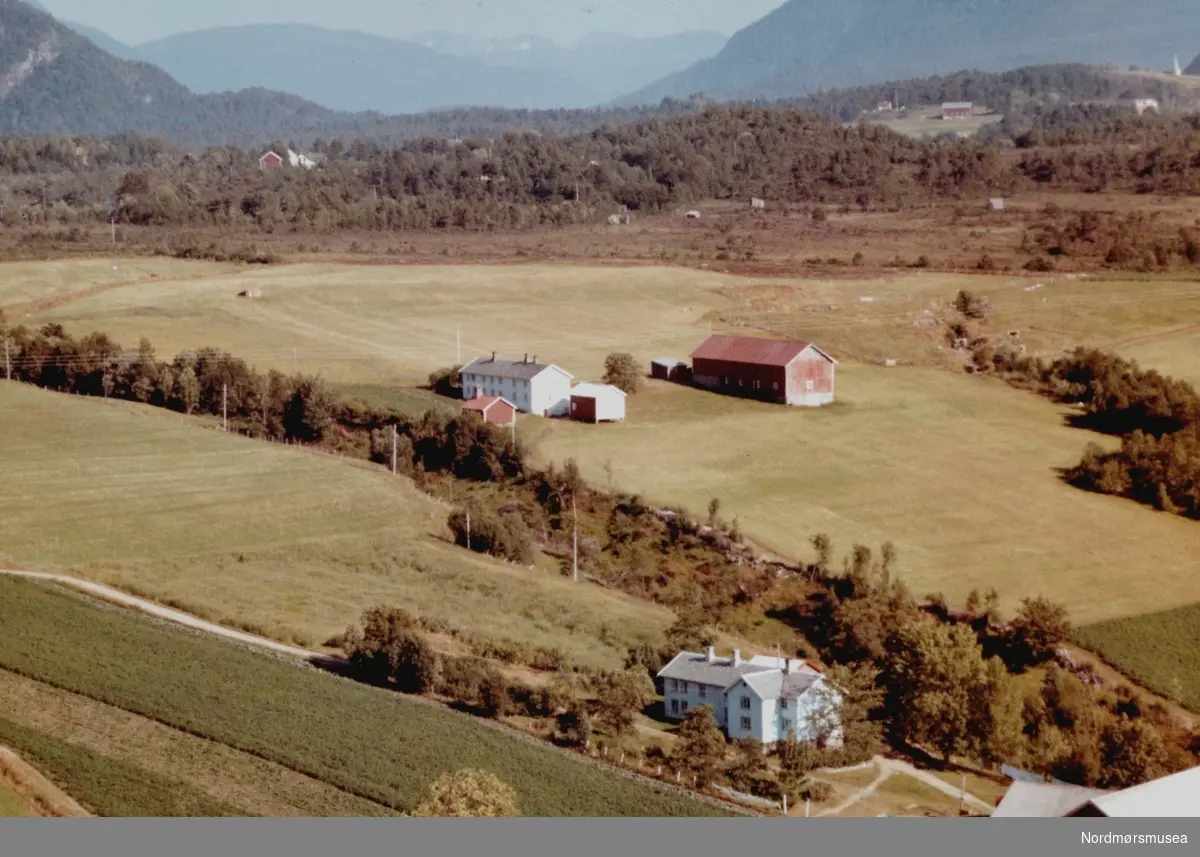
772	370
493	409
957	110
270	159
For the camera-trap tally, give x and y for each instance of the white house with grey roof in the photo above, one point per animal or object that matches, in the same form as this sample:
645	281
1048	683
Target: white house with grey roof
763	698
535	388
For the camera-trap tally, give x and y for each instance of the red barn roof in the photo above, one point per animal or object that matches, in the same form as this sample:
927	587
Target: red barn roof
483	403
746	349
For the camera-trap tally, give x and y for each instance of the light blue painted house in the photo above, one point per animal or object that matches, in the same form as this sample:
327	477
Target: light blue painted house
763	698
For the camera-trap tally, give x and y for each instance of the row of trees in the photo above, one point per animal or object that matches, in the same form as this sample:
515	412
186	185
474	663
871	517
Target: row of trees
292	408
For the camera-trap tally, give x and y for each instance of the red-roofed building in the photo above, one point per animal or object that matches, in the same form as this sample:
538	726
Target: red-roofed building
772	370
493	409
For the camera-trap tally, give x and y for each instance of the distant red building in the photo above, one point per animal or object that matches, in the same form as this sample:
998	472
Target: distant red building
771	370
493	409
270	159
957	110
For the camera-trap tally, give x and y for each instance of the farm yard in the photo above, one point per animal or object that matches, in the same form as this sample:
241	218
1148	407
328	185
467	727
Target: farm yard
959	473
200	726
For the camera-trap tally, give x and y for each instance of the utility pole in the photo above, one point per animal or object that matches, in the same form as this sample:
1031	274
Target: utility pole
574	543
394	434
224	407
294	369
113	223
513	424
468	529
458	344
7	361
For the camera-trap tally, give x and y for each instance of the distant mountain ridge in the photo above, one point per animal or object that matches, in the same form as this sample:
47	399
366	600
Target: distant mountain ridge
357	71
807	45
609	64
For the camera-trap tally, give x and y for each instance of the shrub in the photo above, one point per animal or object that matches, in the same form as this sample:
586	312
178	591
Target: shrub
447	382
501	535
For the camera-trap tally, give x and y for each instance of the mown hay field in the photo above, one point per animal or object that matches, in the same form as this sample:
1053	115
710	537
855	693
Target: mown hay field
275	539
371	743
1159	650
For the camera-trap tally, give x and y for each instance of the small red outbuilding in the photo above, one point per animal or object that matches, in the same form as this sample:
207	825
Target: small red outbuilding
493	409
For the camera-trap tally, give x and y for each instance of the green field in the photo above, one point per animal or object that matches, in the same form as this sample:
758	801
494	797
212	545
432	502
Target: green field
1161	650
375	744
275	539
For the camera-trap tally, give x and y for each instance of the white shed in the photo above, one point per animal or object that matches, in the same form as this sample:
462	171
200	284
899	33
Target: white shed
597	403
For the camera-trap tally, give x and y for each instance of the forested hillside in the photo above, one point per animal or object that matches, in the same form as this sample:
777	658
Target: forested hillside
522	180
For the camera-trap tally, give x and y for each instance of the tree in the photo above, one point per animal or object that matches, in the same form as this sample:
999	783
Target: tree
796	760
1132	752
469	794
700	752
1036	631
389	648
494	696
1001	717
689	632
750	764
575	725
620	696
714	510
189	389
309	414
621	370
844	705
938	678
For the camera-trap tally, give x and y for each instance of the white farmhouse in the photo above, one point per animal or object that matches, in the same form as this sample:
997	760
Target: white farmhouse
763	698
535	388
597	403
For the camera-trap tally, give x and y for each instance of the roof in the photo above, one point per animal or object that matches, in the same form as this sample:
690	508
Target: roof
746	349
1043	800
590	389
668	361
482	403
1174	796
517	369
957	105
776	685
720	672
765	671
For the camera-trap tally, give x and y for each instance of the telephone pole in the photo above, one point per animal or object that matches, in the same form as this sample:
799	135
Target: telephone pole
574	543
394	433
468	529
224	407
458	344
294	369
8	361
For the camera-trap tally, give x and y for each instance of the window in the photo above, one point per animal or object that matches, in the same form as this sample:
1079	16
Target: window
775	386
787	726
783	704
674	706
746	724
745	703
808	385
740	382
726	382
684	705
757	385
703	691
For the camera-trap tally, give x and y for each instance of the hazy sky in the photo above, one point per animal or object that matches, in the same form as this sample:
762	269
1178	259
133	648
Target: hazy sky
134	21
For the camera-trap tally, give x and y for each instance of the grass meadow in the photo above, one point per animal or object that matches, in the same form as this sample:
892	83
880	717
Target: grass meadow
961	474
376	745
274	539
13	805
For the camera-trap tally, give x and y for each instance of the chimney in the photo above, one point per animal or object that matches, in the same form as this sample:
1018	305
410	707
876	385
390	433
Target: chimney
787	666
493	356
712	654
737	658
534	358
526	360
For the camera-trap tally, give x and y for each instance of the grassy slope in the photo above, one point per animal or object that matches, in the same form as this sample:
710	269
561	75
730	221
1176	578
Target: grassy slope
285	540
1160	650
372	743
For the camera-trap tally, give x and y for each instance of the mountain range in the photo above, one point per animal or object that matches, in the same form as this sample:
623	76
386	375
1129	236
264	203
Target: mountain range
359	71
807	45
